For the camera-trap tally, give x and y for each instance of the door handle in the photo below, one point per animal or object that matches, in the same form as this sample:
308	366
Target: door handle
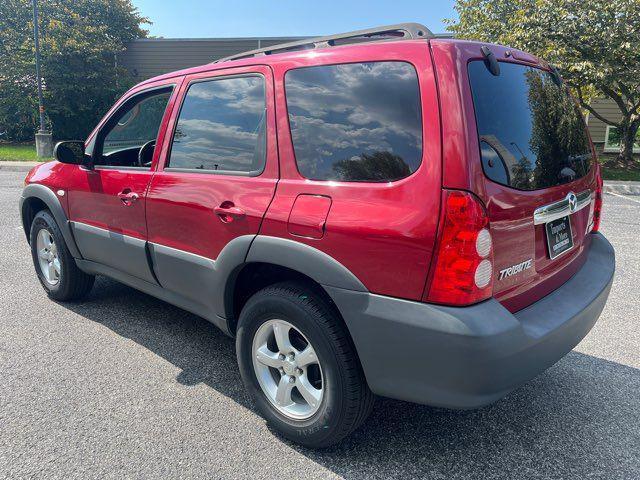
127	197
228	212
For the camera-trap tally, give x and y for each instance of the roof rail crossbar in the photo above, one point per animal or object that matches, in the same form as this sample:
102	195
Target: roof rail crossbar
388	32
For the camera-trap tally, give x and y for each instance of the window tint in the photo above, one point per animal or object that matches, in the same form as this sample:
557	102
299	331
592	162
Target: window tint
355	122
531	133
132	127
222	126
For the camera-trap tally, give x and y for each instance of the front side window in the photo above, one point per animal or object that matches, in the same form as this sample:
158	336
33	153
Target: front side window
531	133
358	122
221	126
133	127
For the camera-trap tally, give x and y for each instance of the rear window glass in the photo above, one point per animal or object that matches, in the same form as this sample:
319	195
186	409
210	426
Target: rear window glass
358	122
531	133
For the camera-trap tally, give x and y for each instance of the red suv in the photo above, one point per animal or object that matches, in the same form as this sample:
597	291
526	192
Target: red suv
379	212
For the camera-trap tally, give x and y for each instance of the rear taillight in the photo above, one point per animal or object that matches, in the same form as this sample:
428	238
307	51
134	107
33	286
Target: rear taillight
463	271
597	207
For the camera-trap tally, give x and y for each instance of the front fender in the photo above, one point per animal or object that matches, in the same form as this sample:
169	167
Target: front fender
49	198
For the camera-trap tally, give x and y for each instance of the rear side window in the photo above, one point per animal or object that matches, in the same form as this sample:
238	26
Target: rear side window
221	126
358	122
531	133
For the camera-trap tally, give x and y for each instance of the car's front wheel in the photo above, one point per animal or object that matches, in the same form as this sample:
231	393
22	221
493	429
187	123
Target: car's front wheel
57	270
300	367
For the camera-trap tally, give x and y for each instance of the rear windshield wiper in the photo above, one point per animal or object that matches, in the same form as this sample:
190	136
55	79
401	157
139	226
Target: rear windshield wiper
490	61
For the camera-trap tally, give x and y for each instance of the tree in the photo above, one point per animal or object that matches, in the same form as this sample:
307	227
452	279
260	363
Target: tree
594	44
557	132
377	166
79	41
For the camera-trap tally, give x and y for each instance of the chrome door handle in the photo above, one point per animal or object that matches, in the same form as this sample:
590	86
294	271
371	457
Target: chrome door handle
127	197
228	212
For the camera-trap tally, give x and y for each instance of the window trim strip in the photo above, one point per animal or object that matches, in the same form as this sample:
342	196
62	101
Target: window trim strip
561	208
420	106
252	173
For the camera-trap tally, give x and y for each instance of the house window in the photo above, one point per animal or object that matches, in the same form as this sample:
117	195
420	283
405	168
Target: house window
612	140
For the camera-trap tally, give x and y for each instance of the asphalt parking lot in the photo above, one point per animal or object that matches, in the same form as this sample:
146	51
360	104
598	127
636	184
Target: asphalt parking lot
125	385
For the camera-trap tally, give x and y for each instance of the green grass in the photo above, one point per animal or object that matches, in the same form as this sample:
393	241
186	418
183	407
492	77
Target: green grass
23	152
609	173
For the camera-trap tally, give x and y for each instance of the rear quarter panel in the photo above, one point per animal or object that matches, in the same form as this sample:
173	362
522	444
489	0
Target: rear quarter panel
382	232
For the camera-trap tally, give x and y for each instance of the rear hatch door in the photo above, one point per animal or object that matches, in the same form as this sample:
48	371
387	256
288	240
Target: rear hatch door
539	178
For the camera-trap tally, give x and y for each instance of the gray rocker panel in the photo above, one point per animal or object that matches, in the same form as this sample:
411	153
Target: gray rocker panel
121	252
210	283
45	194
199	279
155	290
198	284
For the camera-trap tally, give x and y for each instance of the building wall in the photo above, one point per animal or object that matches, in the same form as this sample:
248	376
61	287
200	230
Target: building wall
608	109
149	57
598	129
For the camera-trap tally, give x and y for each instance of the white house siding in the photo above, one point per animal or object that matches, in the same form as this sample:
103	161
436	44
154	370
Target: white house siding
608	109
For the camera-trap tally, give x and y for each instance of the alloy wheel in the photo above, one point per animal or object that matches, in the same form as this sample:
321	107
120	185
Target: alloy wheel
48	258
288	369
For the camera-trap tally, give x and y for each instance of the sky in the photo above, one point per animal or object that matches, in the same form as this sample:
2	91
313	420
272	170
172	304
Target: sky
275	18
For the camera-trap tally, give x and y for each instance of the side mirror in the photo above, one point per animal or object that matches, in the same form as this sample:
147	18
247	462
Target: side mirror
71	152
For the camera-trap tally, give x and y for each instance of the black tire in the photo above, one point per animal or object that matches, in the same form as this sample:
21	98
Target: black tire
347	400
73	283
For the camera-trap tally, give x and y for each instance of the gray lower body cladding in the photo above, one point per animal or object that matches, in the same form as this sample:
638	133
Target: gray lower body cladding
444	356
469	357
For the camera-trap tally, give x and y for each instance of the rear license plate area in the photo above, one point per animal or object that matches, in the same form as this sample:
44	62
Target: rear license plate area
559	236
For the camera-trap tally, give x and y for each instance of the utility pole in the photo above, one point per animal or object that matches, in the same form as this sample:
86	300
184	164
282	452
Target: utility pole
44	141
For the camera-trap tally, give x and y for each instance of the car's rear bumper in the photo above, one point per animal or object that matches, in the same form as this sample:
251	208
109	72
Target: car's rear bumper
469	357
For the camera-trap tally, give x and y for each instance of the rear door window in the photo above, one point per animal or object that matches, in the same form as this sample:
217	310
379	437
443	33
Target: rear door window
221	127
358	122
532	135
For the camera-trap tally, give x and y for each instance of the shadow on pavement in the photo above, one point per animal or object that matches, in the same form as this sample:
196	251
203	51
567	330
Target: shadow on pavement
579	419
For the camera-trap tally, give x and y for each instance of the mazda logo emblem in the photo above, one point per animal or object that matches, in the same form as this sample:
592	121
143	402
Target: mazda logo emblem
573	201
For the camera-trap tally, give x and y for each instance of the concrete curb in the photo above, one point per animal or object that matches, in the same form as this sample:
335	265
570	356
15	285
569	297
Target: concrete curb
9	166
610	186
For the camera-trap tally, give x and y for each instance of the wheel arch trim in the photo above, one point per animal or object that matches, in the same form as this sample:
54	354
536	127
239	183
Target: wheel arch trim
305	259
46	195
296	256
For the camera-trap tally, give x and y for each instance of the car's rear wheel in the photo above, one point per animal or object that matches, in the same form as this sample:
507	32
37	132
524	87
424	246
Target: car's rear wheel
57	270
300	367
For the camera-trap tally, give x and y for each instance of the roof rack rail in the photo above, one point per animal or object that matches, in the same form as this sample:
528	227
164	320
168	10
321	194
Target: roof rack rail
388	32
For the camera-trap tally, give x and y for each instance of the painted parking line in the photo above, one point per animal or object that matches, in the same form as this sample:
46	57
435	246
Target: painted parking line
623	196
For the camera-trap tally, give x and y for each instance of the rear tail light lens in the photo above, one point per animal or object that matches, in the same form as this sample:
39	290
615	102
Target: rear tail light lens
597	207
482	277
483	243
463	269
